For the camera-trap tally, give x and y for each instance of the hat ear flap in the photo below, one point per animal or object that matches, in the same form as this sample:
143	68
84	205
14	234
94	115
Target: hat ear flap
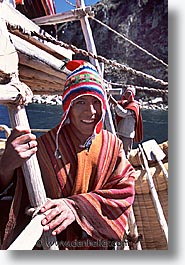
74	64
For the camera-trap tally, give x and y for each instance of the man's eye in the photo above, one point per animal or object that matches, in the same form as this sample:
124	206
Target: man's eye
97	102
80	102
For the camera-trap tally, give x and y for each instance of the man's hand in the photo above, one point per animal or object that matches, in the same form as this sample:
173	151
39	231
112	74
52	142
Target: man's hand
112	100
20	146
58	216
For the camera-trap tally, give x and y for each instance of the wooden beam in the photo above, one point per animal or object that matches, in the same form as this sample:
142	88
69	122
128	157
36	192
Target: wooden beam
41	76
63	17
37	68
87	32
42	64
41	82
9	94
24	47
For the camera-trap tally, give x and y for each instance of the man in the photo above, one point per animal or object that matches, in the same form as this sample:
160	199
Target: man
88	181
128	119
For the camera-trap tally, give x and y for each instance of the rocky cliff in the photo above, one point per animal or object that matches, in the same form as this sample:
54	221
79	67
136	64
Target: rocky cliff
145	22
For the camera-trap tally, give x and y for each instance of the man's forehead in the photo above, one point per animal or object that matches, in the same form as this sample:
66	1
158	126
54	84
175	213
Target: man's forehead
86	97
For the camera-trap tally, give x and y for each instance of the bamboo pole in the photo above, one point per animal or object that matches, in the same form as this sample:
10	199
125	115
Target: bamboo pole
156	201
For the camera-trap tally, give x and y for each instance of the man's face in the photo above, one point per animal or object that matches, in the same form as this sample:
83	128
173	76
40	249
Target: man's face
84	114
127	94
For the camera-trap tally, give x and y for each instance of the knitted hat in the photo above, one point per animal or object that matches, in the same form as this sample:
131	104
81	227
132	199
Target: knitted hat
83	80
132	90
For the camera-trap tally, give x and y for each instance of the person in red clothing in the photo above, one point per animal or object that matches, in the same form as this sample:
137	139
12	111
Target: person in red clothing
128	119
88	181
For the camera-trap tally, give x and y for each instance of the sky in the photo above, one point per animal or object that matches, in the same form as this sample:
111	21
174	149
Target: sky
62	6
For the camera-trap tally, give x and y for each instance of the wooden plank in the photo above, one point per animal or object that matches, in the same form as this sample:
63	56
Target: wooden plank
40	87
155	153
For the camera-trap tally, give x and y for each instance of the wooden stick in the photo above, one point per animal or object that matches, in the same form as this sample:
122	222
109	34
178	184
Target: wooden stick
133	228
31	169
161	165
156	201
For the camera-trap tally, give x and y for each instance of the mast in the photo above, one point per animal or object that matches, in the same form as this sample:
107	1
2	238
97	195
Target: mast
87	32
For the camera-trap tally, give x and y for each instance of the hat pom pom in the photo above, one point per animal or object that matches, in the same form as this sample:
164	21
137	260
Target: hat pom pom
74	64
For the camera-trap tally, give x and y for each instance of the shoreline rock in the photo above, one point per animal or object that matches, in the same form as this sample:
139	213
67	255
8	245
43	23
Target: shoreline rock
155	104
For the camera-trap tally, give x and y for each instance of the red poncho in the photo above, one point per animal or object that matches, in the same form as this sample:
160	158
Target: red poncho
98	185
135	106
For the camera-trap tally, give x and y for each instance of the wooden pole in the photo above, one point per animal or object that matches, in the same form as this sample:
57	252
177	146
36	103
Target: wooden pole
87	32
32	174
18	94
156	201
29	236
133	228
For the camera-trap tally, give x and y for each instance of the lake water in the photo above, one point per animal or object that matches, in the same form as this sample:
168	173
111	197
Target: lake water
41	116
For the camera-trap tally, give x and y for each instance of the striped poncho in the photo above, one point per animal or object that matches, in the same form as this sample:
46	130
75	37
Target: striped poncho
97	184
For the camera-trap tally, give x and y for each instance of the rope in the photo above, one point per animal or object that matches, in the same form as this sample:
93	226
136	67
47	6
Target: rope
71	4
125	38
85	53
138	88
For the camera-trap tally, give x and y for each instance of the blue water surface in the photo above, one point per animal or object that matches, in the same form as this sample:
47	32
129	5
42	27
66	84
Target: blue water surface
41	116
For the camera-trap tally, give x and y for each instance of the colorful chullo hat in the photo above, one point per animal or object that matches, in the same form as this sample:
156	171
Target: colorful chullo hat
83	80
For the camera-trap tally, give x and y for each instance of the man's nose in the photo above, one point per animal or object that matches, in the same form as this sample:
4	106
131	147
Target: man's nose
91	108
